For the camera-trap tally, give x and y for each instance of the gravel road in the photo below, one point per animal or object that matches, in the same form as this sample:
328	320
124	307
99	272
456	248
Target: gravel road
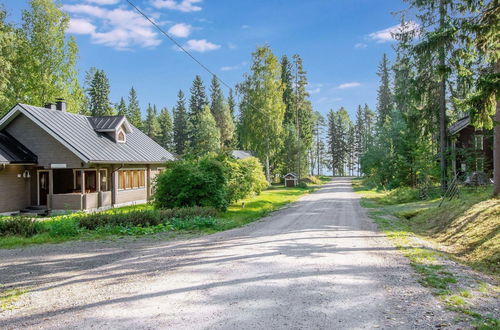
318	264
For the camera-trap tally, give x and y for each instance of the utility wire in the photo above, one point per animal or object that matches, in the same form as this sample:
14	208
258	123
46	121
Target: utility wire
177	44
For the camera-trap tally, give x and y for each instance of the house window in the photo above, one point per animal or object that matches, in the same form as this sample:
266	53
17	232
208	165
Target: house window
480	165
104	180
120	137
131	179
478	142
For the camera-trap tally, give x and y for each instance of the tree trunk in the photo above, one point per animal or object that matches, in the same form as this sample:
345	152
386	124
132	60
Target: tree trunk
442	104
268	175
496	145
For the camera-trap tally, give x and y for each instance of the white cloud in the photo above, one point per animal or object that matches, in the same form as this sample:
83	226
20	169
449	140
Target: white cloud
104	2
186	6
314	90
180	30
360	45
200	45
349	85
245	26
230	68
120	28
387	35
81	26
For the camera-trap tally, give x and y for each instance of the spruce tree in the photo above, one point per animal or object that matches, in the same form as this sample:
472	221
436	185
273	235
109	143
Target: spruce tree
207	137
231	102
99	95
121	108
134	111
288	91
181	125
151	125
166	130
222	114
384	95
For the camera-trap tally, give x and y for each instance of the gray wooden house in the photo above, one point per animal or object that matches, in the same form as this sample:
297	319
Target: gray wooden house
54	160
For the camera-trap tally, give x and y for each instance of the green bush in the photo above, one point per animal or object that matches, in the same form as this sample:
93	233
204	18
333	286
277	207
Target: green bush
245	177
20	226
66	226
192	183
141	218
210	181
302	184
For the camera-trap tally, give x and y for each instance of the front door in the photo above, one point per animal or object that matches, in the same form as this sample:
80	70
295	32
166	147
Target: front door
43	187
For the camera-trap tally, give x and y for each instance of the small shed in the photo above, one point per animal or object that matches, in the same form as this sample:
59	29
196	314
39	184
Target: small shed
291	180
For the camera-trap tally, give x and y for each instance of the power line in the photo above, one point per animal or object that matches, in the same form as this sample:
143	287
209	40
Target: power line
177	44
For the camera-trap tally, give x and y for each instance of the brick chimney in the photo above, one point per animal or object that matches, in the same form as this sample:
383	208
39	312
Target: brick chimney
61	104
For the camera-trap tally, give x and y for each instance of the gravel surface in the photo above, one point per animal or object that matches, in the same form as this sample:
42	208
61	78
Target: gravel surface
318	264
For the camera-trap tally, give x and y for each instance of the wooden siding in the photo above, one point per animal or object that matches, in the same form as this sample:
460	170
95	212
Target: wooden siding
14	191
48	149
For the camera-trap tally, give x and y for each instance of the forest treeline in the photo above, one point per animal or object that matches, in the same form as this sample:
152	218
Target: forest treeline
445	65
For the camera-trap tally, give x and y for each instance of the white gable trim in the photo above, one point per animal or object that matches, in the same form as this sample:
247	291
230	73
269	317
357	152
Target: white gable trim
12	114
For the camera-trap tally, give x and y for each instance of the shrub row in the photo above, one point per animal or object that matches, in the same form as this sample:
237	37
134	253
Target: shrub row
19	226
143	218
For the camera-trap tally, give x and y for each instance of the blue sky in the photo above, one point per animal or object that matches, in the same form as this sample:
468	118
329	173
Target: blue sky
340	41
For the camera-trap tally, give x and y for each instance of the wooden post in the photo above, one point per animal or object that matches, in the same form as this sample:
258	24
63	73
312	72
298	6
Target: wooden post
148	182
51	189
82	181
98	179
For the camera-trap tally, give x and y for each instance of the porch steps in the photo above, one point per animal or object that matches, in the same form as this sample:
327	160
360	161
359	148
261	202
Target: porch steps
33	211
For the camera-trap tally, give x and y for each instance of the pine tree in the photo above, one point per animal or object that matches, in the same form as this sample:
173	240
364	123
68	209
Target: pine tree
99	95
207	137
181	125
166	130
151	125
384	97
121	108
262	109
134	111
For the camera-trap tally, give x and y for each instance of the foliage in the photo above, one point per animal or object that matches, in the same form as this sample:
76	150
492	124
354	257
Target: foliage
99	89
37	60
166	130
121	108
200	182
145	217
262	108
245	177
205	137
134	111
222	114
21	226
151	126
181	125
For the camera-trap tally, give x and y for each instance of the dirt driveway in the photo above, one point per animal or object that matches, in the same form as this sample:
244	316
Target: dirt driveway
319	263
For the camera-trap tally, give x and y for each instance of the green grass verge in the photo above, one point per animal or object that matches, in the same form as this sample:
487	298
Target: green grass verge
61	228
403	221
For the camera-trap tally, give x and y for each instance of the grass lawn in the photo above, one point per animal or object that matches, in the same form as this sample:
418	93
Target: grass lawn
63	228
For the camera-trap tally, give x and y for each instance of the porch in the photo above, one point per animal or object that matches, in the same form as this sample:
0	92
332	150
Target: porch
74	189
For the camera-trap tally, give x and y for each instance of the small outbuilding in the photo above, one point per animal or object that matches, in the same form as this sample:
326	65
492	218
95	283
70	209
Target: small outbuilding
291	180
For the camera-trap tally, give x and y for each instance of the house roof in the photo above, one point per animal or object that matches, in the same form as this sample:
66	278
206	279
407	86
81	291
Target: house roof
13	152
291	174
78	133
459	125
240	154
